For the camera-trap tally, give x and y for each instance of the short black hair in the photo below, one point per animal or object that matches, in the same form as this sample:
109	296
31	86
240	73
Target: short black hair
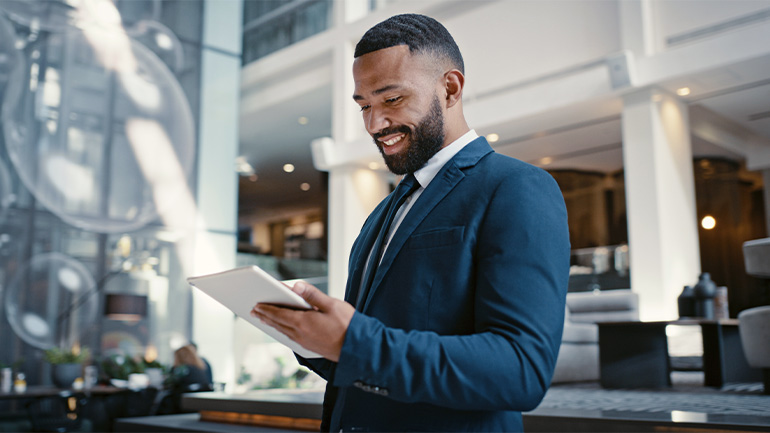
421	33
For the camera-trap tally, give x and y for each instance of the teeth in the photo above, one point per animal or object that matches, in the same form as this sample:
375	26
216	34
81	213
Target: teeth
393	141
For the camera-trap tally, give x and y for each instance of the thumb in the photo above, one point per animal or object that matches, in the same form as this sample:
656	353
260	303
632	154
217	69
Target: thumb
312	295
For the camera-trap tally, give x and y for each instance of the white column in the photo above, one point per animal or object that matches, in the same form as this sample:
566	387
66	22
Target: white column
353	193
217	187
637	27
347	11
660	199
347	123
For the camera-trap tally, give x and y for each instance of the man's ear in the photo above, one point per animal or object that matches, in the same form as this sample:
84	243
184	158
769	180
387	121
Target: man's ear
454	81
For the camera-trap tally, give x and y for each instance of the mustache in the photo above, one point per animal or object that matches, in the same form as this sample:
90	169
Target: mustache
392	130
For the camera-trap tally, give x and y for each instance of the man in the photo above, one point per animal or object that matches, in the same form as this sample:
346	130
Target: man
459	310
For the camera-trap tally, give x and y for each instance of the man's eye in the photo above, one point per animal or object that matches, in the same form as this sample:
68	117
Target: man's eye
365	107
392	100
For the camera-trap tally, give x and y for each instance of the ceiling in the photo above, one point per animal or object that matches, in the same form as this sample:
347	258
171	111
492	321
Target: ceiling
738	96
273	137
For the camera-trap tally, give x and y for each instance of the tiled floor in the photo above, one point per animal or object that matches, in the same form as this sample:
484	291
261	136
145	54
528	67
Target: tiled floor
687	405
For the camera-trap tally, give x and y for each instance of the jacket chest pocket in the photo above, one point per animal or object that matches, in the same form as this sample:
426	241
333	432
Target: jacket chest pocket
435	238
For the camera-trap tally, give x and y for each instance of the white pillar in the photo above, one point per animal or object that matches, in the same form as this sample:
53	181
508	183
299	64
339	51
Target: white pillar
347	11
353	193
637	27
217	186
660	197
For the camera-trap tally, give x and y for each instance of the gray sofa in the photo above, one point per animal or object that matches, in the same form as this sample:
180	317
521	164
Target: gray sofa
578	359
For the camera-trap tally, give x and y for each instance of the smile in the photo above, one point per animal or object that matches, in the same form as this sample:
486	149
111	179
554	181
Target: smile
392	141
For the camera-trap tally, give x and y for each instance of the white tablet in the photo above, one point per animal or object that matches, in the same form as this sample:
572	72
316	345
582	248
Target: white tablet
240	289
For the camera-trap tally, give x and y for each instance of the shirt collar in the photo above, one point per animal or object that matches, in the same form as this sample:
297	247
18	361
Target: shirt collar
429	171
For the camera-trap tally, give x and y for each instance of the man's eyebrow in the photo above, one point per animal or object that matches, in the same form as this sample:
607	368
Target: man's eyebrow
387	88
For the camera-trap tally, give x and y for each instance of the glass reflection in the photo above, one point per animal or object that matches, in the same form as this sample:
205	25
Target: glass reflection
74	92
50	300
684	416
48	15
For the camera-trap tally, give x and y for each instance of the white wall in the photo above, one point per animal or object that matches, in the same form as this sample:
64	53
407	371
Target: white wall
512	41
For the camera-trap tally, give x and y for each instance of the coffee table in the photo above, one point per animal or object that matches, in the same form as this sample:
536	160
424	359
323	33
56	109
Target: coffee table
634	354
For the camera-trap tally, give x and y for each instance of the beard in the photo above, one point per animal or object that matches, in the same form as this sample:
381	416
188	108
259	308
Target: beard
424	142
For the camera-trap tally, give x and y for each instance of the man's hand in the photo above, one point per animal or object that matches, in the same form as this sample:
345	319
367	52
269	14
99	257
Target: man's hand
321	329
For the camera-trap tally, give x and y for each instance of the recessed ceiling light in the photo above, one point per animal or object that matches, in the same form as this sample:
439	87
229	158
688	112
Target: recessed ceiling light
708	222
683	91
288	168
492	138
302	120
547	160
304	186
374	166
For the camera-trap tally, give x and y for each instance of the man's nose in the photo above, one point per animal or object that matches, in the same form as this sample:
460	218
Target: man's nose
377	121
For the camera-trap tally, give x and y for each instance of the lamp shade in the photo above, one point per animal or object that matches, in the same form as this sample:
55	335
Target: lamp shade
120	306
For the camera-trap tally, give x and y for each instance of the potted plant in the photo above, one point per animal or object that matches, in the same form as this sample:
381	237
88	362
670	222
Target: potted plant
66	365
156	372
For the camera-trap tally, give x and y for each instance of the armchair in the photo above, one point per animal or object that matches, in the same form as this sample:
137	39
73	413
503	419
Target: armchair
578	359
754	323
754	327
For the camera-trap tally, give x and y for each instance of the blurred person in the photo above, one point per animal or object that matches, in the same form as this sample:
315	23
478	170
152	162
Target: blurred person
209	372
189	371
187	375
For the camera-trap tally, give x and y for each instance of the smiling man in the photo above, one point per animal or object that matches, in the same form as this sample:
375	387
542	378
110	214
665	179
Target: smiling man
454	304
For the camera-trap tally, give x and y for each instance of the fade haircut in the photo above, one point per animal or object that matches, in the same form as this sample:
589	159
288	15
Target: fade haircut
422	34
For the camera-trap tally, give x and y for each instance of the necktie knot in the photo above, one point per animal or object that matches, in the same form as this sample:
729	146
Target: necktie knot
405	188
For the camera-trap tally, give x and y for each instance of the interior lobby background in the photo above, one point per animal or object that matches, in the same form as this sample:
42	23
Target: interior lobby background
78	199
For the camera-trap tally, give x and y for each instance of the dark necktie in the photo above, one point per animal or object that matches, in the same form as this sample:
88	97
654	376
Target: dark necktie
405	188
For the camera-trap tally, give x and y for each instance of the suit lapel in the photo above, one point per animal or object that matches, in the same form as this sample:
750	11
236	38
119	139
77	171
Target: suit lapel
361	248
444	182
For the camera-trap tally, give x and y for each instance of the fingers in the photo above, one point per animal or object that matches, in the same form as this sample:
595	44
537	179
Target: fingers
321	330
283	320
267	319
313	296
273	315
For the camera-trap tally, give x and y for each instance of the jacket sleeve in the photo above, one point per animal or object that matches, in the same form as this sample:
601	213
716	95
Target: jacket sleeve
521	272
321	366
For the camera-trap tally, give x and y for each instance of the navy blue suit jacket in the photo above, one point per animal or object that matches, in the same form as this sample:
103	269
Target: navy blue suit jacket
461	328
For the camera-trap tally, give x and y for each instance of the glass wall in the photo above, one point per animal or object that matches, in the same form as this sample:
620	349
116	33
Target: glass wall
270	25
98	101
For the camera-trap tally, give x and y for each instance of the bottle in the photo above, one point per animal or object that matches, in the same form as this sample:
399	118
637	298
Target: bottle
721	305
89	376
20	384
705	291
686	302
7	380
